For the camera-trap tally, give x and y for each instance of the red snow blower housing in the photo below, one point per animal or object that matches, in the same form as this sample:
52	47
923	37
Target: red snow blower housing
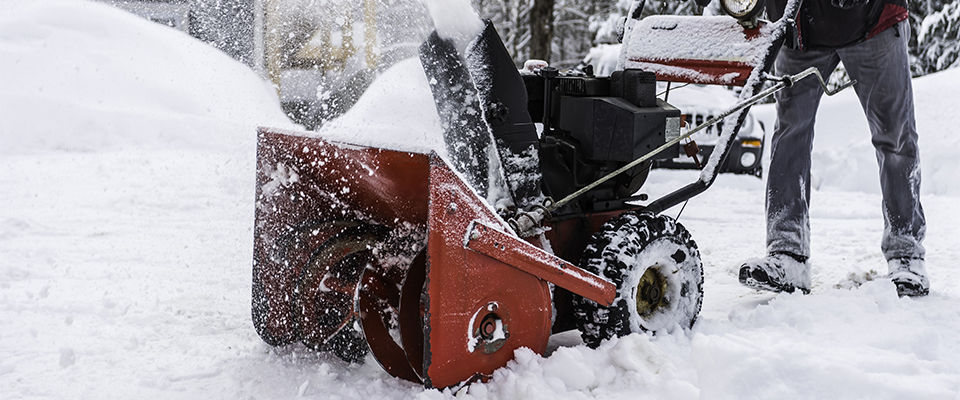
441	266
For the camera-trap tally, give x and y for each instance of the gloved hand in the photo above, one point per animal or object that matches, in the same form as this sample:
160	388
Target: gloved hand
847	4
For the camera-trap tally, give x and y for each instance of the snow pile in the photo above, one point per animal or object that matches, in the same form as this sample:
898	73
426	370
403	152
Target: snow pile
84	76
396	112
635	367
844	158
865	343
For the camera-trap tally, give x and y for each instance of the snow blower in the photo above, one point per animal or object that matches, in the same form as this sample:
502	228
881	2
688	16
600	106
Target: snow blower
442	266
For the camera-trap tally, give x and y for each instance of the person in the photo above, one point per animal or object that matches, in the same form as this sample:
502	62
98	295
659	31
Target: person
870	38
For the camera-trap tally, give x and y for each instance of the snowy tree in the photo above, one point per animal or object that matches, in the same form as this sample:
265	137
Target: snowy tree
919	9
541	28
508	16
573	37
938	41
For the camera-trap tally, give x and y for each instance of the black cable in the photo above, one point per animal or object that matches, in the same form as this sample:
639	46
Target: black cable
681	209
668	89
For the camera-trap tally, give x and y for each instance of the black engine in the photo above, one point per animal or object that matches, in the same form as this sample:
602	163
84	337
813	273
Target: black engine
595	125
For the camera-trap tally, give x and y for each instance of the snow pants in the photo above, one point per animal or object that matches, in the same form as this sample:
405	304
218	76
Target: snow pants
880	66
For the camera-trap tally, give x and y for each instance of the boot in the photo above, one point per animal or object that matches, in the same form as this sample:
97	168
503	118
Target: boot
777	272
910	276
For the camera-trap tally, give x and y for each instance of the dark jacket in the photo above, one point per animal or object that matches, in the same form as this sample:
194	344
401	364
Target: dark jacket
820	24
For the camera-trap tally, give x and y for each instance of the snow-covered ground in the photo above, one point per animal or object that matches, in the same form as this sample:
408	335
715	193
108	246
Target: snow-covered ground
127	166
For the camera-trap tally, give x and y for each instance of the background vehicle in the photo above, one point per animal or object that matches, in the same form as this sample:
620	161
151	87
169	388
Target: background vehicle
700	103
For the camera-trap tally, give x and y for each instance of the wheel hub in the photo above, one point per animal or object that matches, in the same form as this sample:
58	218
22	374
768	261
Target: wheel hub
651	292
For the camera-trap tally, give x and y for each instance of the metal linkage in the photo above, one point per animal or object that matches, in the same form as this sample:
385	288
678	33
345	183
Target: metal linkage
789	80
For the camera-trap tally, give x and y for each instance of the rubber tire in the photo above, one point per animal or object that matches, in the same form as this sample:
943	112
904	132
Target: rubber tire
617	252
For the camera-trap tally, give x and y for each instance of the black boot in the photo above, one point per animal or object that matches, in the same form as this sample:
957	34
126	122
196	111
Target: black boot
777	272
910	276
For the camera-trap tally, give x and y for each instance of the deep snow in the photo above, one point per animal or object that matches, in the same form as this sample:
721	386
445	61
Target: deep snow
80	76
126	236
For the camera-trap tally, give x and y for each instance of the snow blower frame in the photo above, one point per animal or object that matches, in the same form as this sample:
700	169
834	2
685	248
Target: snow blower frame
441	267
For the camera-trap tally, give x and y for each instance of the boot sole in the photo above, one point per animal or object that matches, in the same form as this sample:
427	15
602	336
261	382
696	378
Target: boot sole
758	283
908	289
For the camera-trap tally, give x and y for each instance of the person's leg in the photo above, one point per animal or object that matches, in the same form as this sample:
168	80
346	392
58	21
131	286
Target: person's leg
785	268
881	67
788	179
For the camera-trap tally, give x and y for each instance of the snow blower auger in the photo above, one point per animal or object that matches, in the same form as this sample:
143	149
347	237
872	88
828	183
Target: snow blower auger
440	266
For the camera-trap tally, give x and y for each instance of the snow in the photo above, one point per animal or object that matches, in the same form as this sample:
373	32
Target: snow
604	58
718	38
455	19
396	111
401	98
127	170
79	58
686	73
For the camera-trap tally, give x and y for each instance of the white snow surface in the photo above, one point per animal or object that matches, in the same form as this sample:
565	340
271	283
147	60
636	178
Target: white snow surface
396	111
149	86
718	38
126	235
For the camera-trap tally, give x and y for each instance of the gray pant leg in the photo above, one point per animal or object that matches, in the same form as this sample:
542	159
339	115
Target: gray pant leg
788	181
881	67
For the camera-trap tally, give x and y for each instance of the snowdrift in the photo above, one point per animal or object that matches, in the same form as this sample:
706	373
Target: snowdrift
396	111
84	76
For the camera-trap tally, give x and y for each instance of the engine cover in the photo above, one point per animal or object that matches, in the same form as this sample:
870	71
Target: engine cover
613	129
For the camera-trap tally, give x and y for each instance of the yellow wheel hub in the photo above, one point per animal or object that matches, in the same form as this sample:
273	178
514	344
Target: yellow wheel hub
651	292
